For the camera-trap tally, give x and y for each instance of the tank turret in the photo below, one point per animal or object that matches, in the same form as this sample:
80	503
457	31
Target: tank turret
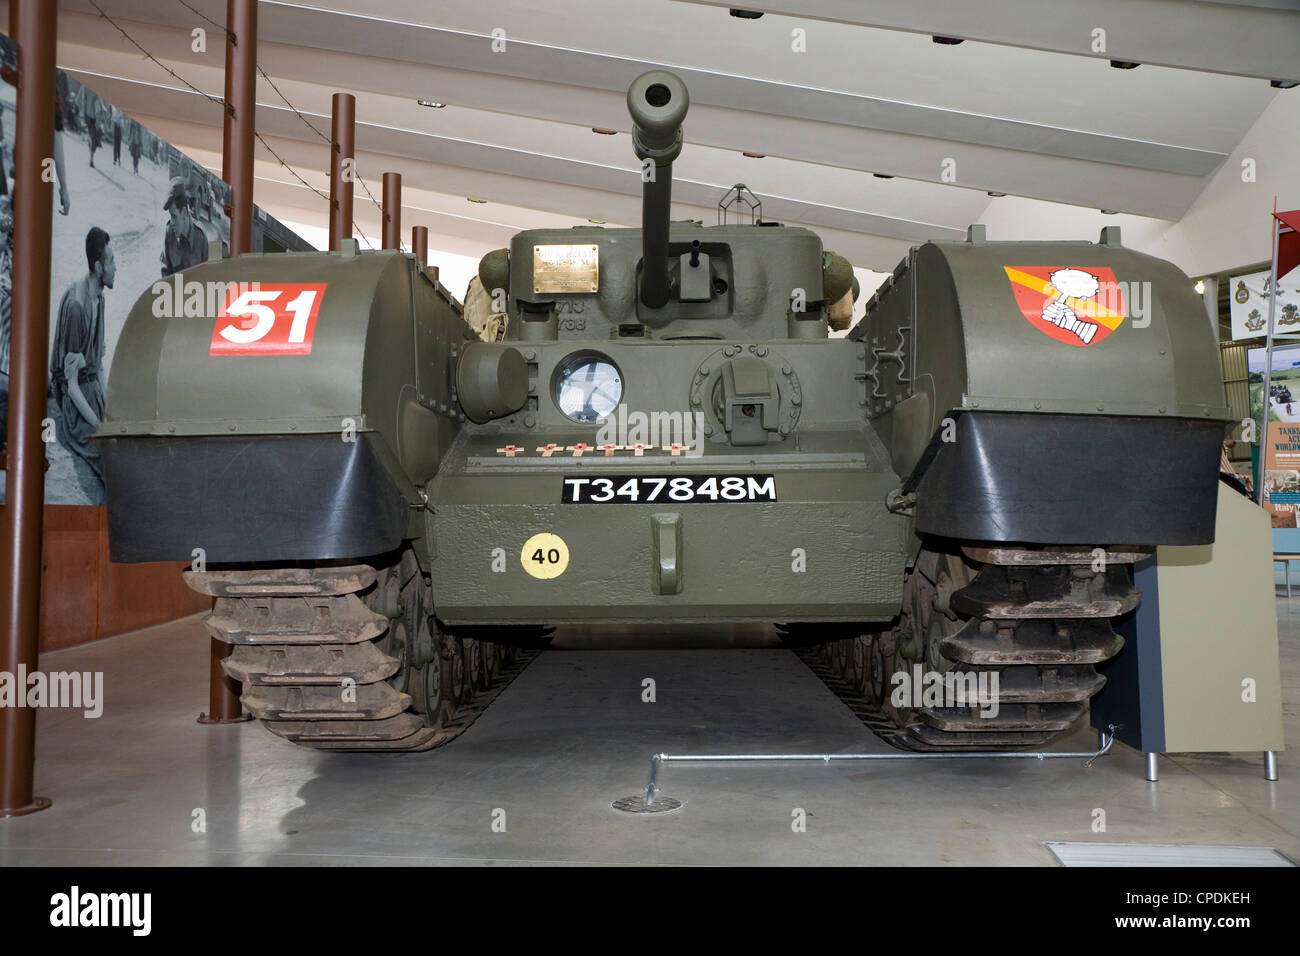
658	102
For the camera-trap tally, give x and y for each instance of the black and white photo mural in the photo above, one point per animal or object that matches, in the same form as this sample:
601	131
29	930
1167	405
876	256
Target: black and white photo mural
129	209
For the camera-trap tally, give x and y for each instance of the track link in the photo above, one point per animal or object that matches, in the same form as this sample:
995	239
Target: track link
1037	619
351	658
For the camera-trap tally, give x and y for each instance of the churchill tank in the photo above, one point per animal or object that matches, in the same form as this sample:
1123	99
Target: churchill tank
393	513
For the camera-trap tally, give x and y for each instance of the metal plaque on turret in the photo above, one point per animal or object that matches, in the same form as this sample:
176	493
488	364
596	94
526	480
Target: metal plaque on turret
559	268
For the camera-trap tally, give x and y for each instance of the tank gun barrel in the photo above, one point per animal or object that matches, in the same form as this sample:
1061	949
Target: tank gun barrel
658	102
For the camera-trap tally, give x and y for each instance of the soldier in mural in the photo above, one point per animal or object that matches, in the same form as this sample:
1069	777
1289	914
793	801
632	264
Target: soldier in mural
8	64
185	243
6	241
117	138
200	196
6	261
133	143
94	122
76	358
60	168
68	102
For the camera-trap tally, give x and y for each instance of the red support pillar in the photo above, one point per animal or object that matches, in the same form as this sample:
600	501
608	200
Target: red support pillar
392	211
342	149
32	27
420	244
241	83
237	169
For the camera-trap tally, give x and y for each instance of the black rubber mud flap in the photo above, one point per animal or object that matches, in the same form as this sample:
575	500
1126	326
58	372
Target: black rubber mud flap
248	498
1086	479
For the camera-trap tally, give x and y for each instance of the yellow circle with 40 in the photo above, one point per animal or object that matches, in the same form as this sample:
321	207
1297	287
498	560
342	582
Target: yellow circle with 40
545	555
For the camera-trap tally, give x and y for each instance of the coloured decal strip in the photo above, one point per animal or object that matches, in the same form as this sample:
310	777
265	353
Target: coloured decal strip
577	451
1077	306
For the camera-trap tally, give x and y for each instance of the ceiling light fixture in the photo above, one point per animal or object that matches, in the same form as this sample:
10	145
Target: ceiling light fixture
432	104
1284	84
740	14
755	155
1108	212
948	41
996	195
882	175
1124	64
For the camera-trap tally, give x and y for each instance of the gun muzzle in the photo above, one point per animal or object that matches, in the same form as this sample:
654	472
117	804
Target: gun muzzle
658	102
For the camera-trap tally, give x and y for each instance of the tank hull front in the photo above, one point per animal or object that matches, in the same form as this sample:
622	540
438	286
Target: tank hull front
759	537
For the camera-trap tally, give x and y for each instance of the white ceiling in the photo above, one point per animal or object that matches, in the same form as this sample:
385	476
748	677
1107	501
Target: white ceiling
1024	107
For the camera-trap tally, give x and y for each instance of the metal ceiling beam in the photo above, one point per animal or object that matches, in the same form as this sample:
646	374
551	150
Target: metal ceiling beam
428	45
1056	177
1258	38
420	43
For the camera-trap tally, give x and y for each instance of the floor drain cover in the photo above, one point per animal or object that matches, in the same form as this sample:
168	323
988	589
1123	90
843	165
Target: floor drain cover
636	804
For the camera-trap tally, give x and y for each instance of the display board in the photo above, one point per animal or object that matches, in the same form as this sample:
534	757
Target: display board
1284	383
1282	473
1281	456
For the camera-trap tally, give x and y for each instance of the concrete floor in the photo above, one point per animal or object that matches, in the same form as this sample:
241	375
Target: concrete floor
571	735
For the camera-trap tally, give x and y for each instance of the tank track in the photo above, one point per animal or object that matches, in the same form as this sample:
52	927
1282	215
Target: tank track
1039	617
351	658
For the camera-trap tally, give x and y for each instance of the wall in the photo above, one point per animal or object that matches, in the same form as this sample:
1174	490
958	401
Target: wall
85	596
1225	228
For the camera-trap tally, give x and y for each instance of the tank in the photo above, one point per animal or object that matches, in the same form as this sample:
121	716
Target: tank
938	511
